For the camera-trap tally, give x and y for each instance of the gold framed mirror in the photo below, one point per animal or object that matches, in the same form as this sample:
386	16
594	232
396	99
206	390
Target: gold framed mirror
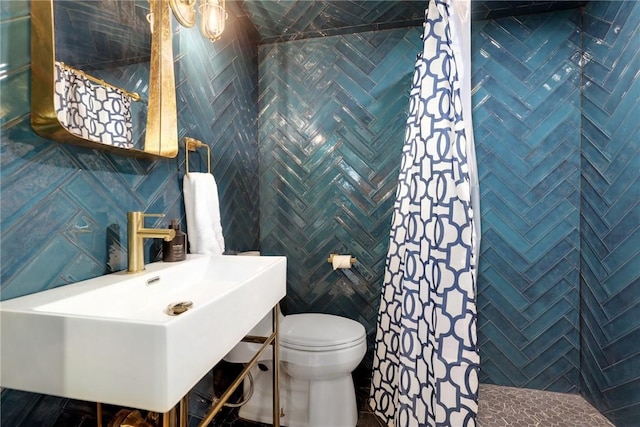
49	103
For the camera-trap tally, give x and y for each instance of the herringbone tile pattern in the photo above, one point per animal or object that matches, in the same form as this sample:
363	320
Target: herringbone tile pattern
298	19
102	34
527	125
331	127
278	21
217	86
63	210
610	220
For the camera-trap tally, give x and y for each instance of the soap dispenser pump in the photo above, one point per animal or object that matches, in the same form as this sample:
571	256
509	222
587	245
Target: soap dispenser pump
176	249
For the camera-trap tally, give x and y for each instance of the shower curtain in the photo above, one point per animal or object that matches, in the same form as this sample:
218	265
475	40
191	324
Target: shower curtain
426	359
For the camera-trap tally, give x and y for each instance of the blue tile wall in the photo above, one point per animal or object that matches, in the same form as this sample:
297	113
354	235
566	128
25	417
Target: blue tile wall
610	216
328	177
278	21
331	126
526	77
559	283
63	208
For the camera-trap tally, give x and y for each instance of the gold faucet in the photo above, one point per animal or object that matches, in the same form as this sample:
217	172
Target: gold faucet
136	235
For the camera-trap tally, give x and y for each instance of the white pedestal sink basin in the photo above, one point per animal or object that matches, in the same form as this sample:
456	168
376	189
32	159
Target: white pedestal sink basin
110	339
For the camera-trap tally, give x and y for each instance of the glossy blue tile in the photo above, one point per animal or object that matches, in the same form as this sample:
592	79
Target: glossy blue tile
93	191
503	343
623	118
31	233
596	71
15	91
553	48
549	240
564	113
517	336
552	336
491	370
504	295
44	174
44	272
18	145
605	11
528	162
13	9
505	211
548	298
546	380
548	359
82	267
546	222
500	367
510	25
624	28
596	27
546	319
554	158
16	54
610	264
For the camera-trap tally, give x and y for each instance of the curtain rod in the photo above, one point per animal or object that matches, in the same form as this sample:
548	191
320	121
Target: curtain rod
133	95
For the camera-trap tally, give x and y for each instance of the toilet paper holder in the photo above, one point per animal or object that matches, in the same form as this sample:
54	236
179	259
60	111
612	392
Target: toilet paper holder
330	259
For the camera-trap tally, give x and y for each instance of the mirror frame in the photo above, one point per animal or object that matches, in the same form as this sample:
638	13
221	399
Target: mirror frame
161	131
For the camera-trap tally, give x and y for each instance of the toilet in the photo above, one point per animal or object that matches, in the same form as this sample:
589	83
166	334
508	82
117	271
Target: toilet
318	352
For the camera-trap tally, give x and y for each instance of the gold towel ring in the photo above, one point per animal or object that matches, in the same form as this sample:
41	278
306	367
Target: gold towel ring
191	144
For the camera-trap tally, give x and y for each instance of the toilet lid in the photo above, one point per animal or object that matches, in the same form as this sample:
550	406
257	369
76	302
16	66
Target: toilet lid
315	331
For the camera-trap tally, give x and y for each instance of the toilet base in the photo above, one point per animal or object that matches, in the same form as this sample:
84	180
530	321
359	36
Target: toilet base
303	403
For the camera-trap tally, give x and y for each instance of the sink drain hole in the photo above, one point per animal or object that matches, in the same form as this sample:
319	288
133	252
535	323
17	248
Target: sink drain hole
179	307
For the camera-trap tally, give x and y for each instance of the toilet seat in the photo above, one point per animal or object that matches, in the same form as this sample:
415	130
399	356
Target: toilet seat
320	332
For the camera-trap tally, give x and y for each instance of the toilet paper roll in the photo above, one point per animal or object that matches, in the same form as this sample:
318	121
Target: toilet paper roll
341	261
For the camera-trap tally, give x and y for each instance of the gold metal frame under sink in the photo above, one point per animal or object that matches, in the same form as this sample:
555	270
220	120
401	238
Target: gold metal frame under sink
179	415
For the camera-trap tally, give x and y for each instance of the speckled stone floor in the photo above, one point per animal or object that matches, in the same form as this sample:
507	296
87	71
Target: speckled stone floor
519	407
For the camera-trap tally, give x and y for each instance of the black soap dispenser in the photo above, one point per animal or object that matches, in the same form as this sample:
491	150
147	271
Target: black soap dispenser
176	249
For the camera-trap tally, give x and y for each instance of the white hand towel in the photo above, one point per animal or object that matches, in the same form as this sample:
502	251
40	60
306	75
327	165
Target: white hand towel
202	206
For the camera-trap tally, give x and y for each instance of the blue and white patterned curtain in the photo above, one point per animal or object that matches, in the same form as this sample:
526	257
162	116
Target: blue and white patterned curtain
92	111
426	359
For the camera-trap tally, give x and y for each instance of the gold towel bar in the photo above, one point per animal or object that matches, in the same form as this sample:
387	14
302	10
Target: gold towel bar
191	144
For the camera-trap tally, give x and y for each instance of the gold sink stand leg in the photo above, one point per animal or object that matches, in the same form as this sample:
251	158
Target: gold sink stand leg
99	414
275	372
178	416
184	411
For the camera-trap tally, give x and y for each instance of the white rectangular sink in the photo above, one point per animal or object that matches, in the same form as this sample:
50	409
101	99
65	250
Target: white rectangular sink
110	339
